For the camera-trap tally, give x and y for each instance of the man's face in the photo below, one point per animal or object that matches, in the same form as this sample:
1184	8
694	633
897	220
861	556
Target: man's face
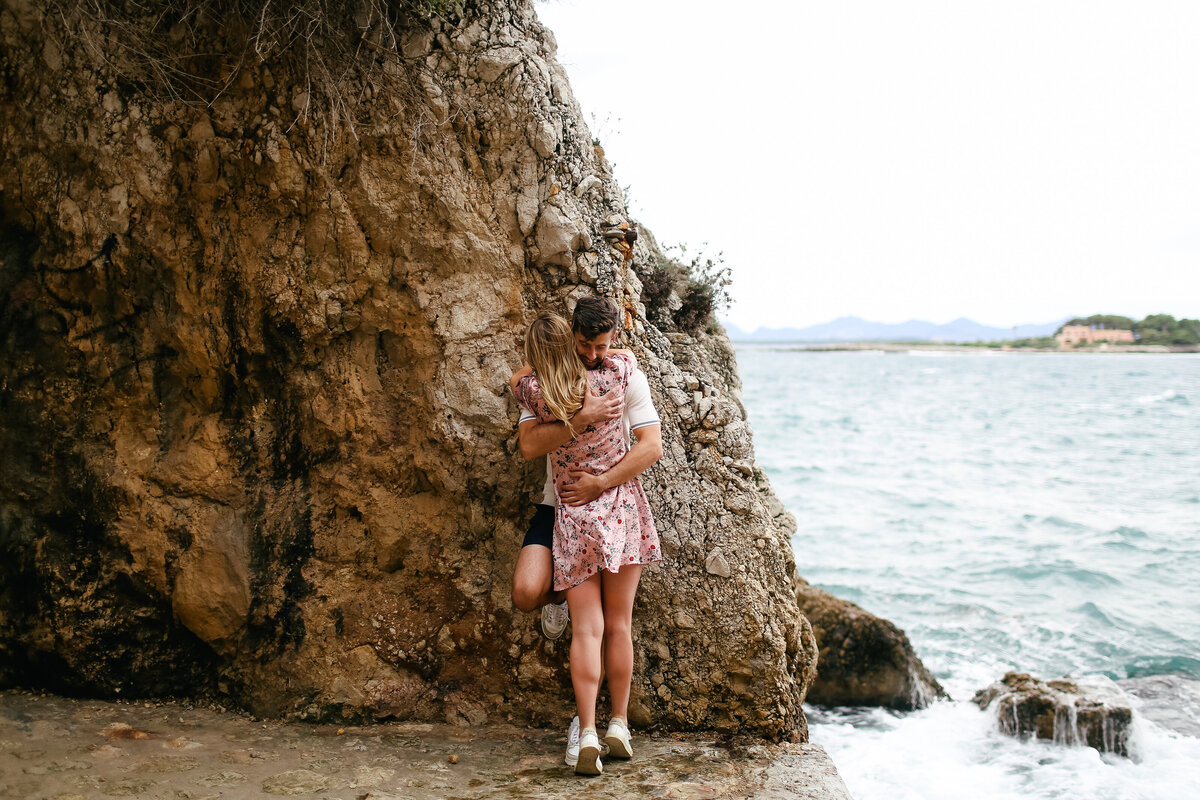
592	351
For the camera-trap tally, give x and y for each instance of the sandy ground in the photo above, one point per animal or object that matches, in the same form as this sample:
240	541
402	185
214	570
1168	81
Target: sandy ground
53	747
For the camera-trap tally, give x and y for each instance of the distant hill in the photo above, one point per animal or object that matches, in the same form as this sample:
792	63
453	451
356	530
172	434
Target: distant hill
856	329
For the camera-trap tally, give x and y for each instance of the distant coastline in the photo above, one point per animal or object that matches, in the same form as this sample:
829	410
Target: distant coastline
857	329
903	347
1106	333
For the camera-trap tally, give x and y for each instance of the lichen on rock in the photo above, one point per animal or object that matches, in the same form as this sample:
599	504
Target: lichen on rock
256	426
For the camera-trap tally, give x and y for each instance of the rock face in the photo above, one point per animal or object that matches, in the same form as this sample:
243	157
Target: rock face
256	335
1090	711
864	660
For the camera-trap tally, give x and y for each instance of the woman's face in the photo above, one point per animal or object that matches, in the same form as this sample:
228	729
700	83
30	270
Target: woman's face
592	351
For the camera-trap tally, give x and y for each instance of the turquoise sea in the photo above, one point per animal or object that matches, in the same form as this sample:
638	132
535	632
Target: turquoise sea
1009	511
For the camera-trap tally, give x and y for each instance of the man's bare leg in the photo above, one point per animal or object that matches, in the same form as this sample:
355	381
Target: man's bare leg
533	581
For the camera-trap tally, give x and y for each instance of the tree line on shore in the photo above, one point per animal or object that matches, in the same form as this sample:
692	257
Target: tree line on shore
1154	329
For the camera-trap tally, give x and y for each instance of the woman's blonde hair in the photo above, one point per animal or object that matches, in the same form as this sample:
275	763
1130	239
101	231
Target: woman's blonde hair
550	350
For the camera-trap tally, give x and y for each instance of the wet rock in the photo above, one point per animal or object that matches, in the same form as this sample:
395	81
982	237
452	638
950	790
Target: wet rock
1091	711
863	660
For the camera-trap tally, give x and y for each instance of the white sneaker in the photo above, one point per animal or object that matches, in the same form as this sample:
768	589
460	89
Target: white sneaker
617	739
588	762
555	617
572	756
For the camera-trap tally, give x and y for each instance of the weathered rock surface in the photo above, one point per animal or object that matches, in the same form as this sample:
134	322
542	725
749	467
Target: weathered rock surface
51	747
864	660
253	406
1090	711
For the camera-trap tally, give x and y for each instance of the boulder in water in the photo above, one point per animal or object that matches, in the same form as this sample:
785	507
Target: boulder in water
863	660
1090	711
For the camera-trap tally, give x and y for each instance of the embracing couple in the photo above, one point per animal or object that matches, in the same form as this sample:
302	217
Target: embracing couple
592	531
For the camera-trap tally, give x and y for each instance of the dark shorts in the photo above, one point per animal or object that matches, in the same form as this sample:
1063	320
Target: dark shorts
541	527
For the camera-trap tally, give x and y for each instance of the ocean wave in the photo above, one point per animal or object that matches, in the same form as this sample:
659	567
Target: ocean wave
1096	614
1169	396
1147	666
1059	522
1076	574
1125	532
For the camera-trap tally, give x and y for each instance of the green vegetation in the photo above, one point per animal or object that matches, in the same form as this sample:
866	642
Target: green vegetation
1154	329
1033	342
331	52
1165	329
1110	322
700	284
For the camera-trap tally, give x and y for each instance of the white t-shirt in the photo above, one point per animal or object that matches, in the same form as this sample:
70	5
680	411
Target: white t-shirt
639	412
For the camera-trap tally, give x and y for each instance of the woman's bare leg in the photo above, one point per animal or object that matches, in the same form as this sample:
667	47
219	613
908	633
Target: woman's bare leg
619	591
587	635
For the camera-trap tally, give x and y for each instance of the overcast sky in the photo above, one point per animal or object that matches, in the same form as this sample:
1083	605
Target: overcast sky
1009	162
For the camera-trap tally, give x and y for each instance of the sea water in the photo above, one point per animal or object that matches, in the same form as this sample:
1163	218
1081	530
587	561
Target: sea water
1009	511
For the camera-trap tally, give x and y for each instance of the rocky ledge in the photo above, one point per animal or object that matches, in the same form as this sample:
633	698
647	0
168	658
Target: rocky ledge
54	747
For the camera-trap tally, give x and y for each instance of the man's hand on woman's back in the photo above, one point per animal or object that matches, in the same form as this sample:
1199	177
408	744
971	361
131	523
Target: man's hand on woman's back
596	409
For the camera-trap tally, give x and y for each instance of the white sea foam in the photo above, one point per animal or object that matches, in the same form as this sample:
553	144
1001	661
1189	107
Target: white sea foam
1163	397
953	750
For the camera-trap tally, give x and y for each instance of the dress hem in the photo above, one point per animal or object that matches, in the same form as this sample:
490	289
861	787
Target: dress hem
587	578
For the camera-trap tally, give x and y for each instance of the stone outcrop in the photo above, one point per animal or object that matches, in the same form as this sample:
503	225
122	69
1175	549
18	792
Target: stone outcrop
864	660
1091	711
256	335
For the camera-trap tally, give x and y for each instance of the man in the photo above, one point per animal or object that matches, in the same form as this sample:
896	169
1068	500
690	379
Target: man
595	326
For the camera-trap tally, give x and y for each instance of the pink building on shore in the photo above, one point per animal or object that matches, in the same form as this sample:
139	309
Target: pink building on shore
1073	335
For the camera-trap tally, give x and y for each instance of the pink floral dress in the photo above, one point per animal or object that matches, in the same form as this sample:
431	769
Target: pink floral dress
617	527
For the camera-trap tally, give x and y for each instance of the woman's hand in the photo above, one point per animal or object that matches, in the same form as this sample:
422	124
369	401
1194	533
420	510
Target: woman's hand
516	376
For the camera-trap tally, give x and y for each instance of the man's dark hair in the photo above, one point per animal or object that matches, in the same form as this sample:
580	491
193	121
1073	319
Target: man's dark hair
594	316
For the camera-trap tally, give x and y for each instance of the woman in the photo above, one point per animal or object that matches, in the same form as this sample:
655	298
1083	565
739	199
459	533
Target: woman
599	547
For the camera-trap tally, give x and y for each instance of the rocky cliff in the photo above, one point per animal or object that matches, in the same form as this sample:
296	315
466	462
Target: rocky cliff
265	270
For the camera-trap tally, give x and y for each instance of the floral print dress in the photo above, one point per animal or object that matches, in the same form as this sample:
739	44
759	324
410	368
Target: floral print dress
617	527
